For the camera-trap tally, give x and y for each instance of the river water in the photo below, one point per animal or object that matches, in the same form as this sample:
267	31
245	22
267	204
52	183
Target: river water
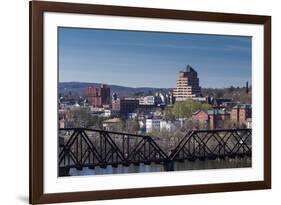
178	166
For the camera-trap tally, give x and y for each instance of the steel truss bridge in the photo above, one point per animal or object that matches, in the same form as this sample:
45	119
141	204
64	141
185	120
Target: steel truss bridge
82	147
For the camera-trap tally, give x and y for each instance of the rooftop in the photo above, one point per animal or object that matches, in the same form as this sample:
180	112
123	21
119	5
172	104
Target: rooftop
217	112
198	111
188	69
113	120
219	101
243	106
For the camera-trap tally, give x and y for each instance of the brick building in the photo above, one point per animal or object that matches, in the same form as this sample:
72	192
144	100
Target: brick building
241	112
98	97
216	118
200	116
212	119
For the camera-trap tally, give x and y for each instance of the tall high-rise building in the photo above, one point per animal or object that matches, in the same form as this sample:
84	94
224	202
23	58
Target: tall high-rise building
98	97
187	84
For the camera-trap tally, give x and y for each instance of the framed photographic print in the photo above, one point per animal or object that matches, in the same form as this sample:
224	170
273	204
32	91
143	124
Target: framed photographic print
139	102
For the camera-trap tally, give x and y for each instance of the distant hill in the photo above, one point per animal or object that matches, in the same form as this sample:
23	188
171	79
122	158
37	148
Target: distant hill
122	91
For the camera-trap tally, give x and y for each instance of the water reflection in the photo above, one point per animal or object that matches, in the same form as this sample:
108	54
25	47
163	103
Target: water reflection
179	166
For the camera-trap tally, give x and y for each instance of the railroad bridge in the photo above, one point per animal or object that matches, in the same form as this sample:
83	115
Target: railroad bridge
83	147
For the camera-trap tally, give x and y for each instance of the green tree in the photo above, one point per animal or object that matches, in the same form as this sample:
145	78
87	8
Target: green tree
95	122
220	93
80	117
132	126
168	114
186	108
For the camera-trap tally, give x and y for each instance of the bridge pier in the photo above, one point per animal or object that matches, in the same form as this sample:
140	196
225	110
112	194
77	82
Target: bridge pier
169	166
64	171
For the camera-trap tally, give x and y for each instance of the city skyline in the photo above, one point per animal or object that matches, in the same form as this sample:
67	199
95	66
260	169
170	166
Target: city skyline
110	57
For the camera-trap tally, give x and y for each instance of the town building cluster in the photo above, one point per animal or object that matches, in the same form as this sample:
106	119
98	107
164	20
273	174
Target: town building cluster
148	110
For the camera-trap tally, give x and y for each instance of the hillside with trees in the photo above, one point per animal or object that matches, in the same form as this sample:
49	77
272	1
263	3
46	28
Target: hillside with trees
237	94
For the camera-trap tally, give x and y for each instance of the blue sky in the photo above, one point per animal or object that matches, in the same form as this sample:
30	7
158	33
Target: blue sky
152	59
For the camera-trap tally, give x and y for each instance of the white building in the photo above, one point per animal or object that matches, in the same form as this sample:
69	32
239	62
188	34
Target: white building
159	125
141	124
96	109
110	113
249	123
200	99
152	124
132	115
111	123
147	100
107	113
167	125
